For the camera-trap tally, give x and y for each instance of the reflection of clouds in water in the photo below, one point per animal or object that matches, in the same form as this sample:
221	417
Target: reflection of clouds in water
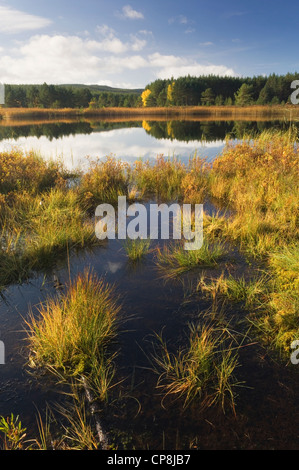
128	144
113	267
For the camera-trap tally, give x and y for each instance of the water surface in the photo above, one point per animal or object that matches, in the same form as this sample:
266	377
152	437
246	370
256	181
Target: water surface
72	142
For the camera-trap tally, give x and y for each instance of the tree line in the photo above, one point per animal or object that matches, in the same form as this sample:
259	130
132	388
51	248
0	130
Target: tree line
209	90
59	96
219	91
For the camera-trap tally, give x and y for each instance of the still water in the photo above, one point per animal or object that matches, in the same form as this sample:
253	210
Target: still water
71	142
150	305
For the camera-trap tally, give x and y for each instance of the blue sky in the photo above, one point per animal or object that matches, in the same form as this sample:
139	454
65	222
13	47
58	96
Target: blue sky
131	43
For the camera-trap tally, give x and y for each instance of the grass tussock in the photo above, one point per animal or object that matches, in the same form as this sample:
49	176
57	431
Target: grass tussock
137	249
249	292
203	372
37	230
259	181
174	261
279	321
28	172
169	179
72	334
41	219
103	182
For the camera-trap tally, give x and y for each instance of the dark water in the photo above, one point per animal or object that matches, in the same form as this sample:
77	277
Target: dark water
267	412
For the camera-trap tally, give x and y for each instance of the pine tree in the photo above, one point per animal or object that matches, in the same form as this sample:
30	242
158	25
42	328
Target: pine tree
244	95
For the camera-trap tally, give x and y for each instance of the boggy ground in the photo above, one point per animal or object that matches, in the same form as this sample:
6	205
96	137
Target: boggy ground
240	294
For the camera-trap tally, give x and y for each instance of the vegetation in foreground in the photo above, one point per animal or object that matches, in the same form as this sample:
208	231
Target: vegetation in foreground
73	332
203	371
255	186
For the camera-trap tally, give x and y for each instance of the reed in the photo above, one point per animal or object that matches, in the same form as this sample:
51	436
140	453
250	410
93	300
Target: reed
255	111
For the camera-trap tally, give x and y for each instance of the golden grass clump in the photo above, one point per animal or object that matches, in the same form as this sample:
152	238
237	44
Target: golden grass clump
162	179
202	372
104	182
73	334
259	181
28	172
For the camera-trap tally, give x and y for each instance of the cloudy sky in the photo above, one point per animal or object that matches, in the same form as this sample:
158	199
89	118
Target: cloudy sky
131	43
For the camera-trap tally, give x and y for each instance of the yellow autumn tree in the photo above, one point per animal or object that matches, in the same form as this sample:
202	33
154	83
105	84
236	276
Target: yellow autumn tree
145	97
170	92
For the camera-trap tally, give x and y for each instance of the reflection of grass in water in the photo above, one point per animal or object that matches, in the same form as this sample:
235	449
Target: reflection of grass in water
203	371
173	261
137	249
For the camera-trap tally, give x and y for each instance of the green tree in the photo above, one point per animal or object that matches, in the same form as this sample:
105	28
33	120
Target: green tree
243	97
207	97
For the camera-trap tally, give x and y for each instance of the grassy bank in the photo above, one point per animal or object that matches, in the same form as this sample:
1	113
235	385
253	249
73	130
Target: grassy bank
233	112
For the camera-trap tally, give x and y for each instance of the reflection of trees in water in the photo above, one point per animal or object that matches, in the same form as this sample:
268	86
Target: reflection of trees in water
210	130
184	131
60	129
51	131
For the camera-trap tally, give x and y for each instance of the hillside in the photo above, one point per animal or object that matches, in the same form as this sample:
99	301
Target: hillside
104	88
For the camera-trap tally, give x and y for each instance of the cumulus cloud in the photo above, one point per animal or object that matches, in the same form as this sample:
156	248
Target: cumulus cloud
106	60
128	12
15	21
62	59
176	66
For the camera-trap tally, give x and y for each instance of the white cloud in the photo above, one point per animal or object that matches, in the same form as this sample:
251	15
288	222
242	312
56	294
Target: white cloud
75	59
178	19
69	59
205	44
15	21
112	44
175	66
131	14
190	30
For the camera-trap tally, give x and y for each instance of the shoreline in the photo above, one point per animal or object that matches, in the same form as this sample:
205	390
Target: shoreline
219	112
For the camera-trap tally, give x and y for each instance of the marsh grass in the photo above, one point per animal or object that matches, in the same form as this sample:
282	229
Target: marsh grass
29	172
259	181
72	334
203	371
137	249
103	182
175	260
250	292
37	230
162	179
278	322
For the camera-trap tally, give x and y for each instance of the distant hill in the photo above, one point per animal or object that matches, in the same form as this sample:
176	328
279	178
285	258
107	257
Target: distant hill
101	88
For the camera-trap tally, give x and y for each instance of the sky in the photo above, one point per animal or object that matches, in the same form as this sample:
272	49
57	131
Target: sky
132	43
